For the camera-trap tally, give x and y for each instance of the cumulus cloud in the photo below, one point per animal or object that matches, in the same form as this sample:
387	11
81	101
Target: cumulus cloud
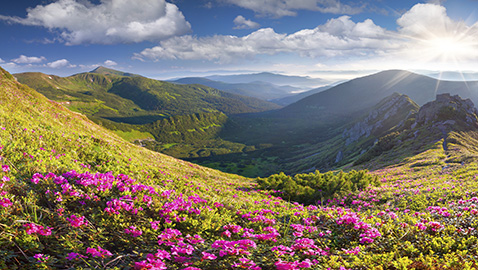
429	32
425	34
110	63
243	23
23	59
337	37
62	63
280	8
111	21
1	60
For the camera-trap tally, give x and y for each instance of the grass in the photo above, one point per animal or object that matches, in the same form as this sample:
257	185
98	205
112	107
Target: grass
75	196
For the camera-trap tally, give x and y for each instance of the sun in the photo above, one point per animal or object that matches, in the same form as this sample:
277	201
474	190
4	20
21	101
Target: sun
449	48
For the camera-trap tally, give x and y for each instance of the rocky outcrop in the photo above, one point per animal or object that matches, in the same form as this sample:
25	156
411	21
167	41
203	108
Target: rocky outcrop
447	111
388	113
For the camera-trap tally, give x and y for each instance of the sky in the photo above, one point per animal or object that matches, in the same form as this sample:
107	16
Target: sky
331	39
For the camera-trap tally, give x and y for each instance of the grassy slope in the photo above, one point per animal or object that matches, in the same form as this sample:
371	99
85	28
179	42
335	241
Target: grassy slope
421	217
111	95
130	99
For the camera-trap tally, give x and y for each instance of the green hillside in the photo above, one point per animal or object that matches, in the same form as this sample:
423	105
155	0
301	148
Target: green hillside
75	196
134	99
130	104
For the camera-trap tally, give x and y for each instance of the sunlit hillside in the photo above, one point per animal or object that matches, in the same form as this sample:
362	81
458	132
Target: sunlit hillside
75	196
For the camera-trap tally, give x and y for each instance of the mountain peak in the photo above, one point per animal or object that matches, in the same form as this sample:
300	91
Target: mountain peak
109	71
449	110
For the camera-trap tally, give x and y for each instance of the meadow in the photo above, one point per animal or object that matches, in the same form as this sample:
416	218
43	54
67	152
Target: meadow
76	196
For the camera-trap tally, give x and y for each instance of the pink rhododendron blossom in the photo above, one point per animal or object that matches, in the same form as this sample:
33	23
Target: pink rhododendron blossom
133	231
98	252
33	228
76	221
42	258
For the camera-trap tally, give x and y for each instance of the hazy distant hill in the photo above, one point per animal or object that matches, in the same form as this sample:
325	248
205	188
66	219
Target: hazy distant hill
294	98
257	89
361	93
455	76
277	79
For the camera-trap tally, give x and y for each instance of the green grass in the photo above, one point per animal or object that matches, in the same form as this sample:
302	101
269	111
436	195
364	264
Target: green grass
420	217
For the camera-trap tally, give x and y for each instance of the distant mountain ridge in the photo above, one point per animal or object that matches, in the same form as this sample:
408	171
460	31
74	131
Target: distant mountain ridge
256	89
361	93
277	79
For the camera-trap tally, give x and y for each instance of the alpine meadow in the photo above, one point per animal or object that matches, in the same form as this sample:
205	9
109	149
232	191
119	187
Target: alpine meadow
227	134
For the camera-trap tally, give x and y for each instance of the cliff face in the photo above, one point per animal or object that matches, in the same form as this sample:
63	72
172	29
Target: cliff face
391	112
447	113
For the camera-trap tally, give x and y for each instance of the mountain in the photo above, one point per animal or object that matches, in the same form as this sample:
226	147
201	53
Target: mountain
449	124
257	89
73	195
135	99
361	93
151	112
108	71
276	79
298	145
294	98
309	134
455	76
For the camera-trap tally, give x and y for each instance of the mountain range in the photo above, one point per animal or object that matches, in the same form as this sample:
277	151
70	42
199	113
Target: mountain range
256	89
272	78
325	130
74	195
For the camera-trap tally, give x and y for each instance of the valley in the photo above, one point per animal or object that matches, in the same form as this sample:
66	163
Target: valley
326	130
76	195
239	135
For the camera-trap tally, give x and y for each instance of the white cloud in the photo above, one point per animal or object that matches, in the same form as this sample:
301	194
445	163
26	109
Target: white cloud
426	37
280	8
1	60
243	23
111	21
337	37
110	63
431	35
62	63
22	59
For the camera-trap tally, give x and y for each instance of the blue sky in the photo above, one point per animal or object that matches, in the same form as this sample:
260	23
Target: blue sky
164	39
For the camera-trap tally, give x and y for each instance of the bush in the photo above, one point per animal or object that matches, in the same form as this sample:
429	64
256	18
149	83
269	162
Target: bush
312	187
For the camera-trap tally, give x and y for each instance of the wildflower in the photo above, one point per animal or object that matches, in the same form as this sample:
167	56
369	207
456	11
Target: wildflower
133	231
42	258
5	202
208	256
5	168
76	221
100	252
73	256
33	228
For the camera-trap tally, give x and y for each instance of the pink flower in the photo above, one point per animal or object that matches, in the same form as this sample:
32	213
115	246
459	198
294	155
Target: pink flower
5	202
245	263
208	256
73	256
133	231
32	228
5	168
42	258
98	252
76	221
